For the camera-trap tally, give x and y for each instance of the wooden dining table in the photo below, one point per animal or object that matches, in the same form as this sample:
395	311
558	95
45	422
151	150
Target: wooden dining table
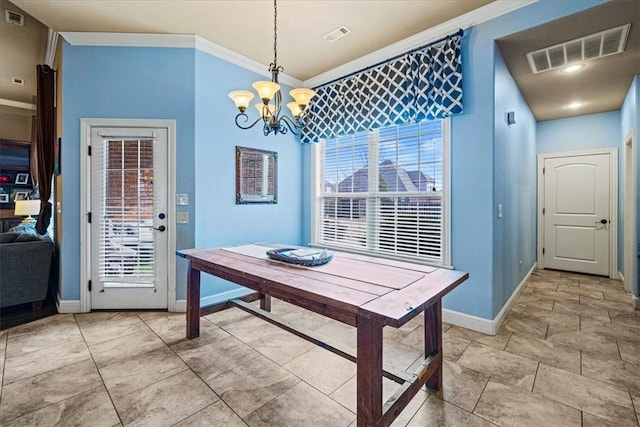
366	292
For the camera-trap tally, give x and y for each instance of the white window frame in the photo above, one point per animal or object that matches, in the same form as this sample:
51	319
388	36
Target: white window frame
317	185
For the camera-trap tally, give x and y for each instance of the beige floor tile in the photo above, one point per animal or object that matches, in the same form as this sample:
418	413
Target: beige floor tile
34	393
104	326
557	295
543	284
575	308
212	358
139	371
607	305
617	296
218	415
19	366
525	324
509	406
130	345
322	369
462	386
453	346
589	395
301	406
399	356
165	402
279	345
248	386
585	341
499	340
340	332
545	351
42	333
589	420
629	351
92	408
534	300
614	371
590	291
609	330
170	327
555	319
506	367
629	320
436	412
3	339
233	317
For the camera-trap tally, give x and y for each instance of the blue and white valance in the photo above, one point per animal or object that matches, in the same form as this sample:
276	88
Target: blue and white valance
425	83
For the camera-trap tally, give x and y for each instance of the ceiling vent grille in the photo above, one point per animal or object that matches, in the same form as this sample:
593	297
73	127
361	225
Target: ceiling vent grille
14	17
336	34
593	46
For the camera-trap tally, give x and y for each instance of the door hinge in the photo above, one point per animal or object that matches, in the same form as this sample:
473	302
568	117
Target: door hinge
89	150
542	251
89	286
89	217
543	169
543	210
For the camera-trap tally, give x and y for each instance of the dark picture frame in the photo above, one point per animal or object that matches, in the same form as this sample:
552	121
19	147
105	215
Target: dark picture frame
256	176
22	178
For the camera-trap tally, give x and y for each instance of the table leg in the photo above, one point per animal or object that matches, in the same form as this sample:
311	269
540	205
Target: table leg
265	302
433	340
369	372
193	303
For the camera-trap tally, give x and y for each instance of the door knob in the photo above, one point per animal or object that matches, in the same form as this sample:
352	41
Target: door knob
161	228
602	221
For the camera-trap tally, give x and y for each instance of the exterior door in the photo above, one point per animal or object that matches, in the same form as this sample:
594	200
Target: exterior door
129	218
577	213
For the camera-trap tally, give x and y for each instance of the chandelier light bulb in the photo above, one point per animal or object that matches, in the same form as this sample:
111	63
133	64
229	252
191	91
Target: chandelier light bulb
302	96
241	98
296	111
270	108
266	90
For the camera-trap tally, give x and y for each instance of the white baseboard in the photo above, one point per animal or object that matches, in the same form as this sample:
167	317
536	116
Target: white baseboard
67	306
481	324
181	304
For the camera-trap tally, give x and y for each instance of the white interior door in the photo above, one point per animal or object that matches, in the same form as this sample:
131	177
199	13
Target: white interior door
129	218
577	213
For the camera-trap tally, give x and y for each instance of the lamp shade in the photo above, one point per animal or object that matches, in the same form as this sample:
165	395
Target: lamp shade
266	90
27	207
302	96
295	109
261	109
241	98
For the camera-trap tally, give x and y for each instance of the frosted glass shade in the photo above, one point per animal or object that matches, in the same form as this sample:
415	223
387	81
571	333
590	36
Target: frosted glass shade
266	90
241	98
261	110
27	207
295	109
302	96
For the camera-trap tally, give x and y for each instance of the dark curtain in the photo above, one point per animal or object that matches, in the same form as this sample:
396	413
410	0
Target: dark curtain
42	167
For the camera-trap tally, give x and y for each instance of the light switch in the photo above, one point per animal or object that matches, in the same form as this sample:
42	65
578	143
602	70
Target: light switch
182	217
182	199
500	210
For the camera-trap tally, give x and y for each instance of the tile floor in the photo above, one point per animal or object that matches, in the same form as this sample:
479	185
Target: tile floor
568	354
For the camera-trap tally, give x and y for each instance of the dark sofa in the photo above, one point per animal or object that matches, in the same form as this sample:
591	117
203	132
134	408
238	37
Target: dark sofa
25	262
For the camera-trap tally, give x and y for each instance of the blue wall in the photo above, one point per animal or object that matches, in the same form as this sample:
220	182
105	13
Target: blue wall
592	131
191	87
630	124
121	82
472	157
219	221
514	186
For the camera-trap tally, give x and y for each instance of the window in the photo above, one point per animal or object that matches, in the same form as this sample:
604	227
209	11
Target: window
385	192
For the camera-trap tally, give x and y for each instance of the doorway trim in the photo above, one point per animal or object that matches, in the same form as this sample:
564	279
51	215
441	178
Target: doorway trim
629	212
613	202
86	124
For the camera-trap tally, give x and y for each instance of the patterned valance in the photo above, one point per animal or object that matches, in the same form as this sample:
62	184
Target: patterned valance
425	83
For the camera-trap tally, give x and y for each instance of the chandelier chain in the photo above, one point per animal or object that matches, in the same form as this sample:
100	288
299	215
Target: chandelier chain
275	33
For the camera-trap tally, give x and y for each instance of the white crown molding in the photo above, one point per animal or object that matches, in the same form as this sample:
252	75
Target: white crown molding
17	104
176	41
228	55
50	50
469	19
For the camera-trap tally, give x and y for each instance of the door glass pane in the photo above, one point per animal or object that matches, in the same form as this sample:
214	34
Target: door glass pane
126	228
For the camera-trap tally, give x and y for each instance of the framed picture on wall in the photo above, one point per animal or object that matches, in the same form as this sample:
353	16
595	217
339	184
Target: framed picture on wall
4	198
22	178
19	195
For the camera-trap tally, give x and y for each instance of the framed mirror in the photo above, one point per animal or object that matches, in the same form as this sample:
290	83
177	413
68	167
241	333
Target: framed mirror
256	176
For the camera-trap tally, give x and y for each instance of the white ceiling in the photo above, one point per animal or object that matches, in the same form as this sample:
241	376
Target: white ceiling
378	27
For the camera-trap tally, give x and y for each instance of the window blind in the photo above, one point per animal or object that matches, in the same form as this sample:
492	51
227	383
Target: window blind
382	192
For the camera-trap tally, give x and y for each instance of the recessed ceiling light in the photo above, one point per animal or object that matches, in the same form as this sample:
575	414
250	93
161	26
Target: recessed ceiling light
573	68
574	105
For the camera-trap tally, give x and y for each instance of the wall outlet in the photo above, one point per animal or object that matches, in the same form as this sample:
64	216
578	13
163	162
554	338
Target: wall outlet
500	210
182	199
182	217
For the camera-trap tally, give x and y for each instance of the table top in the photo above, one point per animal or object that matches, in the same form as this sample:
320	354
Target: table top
350	285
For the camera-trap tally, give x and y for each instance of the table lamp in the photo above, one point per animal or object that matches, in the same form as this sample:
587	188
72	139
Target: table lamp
28	208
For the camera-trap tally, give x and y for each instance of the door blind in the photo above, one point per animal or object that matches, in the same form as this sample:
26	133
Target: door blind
126	249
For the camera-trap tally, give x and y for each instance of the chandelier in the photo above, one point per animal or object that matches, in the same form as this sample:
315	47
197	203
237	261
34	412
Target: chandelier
268	112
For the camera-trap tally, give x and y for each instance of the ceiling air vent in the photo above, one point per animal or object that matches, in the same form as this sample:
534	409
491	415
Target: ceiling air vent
337	34
14	17
592	46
